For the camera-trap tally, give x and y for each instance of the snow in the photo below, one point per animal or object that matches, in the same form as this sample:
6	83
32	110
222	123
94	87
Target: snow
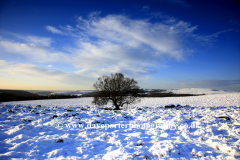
78	92
197	91
177	91
76	129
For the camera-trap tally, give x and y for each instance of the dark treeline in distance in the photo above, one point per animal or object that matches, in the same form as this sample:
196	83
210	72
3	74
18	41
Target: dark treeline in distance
18	95
24	98
151	93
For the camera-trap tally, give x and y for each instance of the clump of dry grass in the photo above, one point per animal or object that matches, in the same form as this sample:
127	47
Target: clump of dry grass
136	154
60	140
107	138
147	156
140	144
10	111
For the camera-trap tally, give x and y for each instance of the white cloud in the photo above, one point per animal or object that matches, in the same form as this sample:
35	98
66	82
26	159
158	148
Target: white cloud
33	70
3	63
31	51
163	39
123	44
54	30
177	2
117	43
216	34
210	83
114	43
234	21
43	75
39	41
34	40
30	39
145	8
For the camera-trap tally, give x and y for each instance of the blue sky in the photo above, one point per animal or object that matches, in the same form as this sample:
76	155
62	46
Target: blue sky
166	44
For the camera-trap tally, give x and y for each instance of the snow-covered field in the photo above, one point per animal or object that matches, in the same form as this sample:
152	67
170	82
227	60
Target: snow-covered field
76	129
197	91
78	92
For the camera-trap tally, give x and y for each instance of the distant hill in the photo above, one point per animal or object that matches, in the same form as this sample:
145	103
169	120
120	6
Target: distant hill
16	93
21	95
206	91
41	93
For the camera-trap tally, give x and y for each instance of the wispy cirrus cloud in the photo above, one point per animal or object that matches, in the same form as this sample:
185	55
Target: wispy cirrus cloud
32	51
177	2
114	43
140	43
35	40
103	43
54	30
211	83
145	8
39	41
42	74
30	39
3	63
161	38
234	21
220	32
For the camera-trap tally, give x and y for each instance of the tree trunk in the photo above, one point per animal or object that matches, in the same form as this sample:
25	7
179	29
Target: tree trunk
117	107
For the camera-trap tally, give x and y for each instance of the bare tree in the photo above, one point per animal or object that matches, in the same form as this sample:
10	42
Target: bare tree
116	88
